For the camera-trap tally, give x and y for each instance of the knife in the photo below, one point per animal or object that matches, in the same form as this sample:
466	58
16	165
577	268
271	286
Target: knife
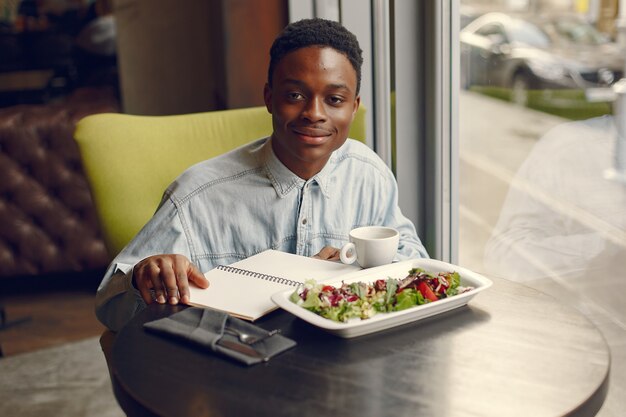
241	348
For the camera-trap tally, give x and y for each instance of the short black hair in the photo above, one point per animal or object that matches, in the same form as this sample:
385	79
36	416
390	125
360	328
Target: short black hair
316	32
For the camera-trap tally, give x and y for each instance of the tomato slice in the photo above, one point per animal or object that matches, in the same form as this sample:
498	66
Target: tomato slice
426	291
328	288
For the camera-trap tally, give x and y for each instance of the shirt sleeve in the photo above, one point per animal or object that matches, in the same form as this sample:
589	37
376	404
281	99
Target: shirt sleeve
117	301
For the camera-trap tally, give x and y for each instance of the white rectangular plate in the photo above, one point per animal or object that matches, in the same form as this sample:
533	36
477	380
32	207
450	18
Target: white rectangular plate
383	321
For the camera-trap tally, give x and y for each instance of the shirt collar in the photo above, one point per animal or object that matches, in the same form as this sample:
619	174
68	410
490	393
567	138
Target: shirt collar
284	181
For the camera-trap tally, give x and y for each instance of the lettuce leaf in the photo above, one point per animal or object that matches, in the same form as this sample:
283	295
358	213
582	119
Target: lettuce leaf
406	299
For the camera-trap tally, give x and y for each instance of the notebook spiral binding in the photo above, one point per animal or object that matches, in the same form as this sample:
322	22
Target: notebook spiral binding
271	278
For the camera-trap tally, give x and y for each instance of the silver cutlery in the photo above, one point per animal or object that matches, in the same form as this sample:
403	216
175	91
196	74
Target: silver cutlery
241	348
248	338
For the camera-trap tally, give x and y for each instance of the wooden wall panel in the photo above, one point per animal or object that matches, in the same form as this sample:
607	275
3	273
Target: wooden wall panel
195	55
250	28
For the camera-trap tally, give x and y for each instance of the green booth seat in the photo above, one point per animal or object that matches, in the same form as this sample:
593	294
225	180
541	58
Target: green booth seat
130	160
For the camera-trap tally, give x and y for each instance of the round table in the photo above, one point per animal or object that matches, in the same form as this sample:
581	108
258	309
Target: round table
512	351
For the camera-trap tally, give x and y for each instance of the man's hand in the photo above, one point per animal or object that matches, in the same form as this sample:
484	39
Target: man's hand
168	276
328	253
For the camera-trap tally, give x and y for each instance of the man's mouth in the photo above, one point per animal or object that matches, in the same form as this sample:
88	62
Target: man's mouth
312	132
311	135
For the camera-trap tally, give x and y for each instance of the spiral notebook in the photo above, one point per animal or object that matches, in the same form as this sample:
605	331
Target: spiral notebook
244	289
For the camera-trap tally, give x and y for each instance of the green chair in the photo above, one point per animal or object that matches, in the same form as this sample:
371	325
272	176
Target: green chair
130	160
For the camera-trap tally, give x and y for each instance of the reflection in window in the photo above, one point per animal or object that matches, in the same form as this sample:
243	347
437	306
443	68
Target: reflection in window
576	31
562	217
528	33
539	131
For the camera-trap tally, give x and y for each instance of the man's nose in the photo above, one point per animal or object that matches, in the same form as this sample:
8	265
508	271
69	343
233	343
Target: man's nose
314	110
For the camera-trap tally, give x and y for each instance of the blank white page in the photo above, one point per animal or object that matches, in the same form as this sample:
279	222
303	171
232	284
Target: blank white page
249	297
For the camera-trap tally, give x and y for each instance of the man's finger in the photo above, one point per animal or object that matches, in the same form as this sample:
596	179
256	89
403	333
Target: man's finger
153	275
197	277
194	275
170	283
181	281
140	284
328	253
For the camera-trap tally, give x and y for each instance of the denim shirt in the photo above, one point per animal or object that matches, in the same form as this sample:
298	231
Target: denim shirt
246	201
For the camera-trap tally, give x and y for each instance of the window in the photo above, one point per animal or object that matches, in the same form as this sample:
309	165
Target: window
542	162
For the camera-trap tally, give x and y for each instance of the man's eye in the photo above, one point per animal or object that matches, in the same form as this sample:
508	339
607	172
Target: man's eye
335	100
295	96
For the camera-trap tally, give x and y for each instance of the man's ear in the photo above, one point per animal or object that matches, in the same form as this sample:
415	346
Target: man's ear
357	103
267	97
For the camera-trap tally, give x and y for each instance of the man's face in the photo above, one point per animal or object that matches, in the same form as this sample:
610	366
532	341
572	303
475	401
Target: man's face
313	101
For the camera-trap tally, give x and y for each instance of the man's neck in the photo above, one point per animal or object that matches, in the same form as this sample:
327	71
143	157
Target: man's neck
303	169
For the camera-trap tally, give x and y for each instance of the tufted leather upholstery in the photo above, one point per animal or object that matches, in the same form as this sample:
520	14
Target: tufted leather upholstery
48	222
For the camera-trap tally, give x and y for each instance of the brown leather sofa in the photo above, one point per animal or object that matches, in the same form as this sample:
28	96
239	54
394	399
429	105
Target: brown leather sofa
48	223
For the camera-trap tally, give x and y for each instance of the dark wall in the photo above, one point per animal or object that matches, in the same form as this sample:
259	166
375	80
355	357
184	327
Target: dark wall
207	55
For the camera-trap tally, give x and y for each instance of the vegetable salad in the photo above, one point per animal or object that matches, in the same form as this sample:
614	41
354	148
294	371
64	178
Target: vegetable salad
360	300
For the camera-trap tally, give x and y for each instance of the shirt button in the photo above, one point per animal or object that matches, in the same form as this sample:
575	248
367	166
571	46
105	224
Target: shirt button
303	221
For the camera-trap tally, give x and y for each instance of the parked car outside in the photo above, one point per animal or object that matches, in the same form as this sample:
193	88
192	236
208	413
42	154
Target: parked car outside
545	53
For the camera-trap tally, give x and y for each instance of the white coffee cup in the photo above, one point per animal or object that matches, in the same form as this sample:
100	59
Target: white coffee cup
371	246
